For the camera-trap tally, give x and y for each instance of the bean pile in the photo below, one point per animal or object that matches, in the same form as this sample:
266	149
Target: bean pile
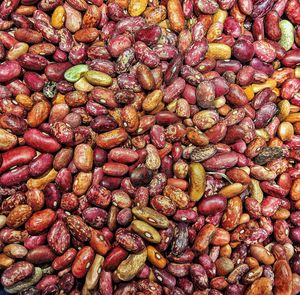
150	147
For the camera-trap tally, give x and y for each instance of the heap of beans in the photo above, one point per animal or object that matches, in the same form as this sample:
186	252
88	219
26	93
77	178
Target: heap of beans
150	147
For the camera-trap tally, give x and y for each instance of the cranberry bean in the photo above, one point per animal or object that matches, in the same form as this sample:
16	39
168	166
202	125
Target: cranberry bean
237	96
17	272
149	36
95	217
205	94
196	53
221	161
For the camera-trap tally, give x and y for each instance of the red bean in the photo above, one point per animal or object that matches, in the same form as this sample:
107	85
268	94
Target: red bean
40	141
211	205
15	176
17	157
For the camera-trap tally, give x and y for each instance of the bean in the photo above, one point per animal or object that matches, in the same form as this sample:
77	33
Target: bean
220	161
146	231
9	71
40	255
94	272
24	284
40	141
211	205
204	237
40	165
55	71
17	156
83	157
98	78
16	273
151	216
83	262
15	176
287	36
129	267
197	181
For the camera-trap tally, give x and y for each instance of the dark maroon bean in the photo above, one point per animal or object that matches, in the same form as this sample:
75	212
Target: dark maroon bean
55	72
173	69
67	282
211	205
180	240
103	123
141	176
230	65
265	114
52	196
243	50
40	165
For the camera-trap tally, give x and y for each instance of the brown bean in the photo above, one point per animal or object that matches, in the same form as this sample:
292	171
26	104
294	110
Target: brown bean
15	251
18	216
176	16
283	277
131	266
38	114
7	141
204	237
83	157
232	214
65	260
111	139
